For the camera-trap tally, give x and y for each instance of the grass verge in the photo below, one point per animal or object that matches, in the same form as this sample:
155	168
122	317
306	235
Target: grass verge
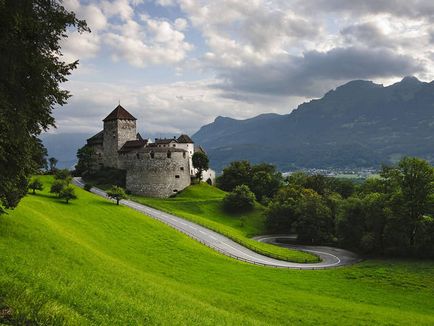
201	204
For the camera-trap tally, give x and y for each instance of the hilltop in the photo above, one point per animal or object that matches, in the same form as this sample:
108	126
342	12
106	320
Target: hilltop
359	124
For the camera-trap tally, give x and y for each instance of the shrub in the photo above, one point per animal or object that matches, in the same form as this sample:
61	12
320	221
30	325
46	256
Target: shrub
36	184
88	186
63	174
117	193
67	194
57	187
241	199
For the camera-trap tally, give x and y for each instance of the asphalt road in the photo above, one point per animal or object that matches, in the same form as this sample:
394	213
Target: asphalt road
331	257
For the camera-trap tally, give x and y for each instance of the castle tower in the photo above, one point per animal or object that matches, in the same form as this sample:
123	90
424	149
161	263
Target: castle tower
119	127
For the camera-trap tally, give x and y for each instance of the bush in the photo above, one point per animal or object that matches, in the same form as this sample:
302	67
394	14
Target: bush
241	199
117	193
63	174
107	176
36	184
67	194
88	186
57	187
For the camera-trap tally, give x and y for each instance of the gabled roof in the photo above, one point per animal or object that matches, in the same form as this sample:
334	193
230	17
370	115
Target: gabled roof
165	140
119	113
185	139
133	145
96	139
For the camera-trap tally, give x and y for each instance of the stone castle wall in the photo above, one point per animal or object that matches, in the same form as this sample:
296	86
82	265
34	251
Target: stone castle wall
150	172
116	133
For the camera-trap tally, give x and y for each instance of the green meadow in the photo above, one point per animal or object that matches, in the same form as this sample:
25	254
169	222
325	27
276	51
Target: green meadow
91	262
202	204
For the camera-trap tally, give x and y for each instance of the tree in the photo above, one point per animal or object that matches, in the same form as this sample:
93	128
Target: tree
282	212
53	162
236	174
36	184
31	71
265	181
63	174
67	194
57	187
117	193
411	184
315	223
86	160
240	200
201	163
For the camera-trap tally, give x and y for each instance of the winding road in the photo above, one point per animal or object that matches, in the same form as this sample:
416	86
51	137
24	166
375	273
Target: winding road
331	257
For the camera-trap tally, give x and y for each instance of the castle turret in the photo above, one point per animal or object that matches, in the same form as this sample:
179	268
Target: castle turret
119	127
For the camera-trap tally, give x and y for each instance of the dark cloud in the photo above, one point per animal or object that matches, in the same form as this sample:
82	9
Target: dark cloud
403	8
316	72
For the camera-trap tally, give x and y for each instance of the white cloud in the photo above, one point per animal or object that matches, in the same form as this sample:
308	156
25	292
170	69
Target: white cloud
168	108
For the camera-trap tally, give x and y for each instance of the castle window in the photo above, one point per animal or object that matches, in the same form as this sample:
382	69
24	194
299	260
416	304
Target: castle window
183	155
152	154
137	155
169	154
174	145
181	168
175	190
177	176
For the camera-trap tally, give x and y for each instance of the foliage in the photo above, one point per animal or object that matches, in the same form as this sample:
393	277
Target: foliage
57	186
35	184
106	177
31	71
117	193
63	174
86	160
53	162
390	215
88	186
67	193
303	211
201	163
202	204
81	264
240	200
263	179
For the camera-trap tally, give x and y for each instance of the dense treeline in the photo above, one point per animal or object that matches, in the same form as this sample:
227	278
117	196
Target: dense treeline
388	215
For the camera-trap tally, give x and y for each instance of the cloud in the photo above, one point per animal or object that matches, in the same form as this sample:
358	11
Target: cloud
401	8
174	108
315	72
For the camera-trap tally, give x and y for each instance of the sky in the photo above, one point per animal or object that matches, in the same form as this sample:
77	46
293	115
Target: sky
178	64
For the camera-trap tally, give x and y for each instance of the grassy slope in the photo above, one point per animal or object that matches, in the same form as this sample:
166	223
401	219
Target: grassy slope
91	262
202	204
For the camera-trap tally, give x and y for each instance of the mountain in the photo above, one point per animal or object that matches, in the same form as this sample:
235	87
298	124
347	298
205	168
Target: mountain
359	124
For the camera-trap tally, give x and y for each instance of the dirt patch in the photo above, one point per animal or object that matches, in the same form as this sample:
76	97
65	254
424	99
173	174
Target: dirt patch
6	315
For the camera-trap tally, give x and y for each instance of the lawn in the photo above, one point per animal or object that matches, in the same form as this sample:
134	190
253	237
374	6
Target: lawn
202	204
92	262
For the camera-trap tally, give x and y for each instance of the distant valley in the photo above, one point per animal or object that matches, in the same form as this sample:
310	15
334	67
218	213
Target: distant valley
359	124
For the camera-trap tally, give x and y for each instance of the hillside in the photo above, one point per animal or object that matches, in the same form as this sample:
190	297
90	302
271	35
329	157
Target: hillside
359	124
92	262
202	204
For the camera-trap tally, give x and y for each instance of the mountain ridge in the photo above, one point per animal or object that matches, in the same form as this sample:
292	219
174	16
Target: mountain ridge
358	124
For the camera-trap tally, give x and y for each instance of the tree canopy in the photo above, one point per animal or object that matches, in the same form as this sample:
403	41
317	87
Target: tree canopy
201	163
31	71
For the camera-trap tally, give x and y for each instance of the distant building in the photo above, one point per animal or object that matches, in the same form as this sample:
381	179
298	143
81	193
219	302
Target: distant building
155	169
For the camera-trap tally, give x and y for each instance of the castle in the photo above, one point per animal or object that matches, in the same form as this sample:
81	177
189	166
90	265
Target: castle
154	169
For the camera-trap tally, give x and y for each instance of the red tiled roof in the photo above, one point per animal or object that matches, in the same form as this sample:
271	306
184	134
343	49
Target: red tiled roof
119	113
